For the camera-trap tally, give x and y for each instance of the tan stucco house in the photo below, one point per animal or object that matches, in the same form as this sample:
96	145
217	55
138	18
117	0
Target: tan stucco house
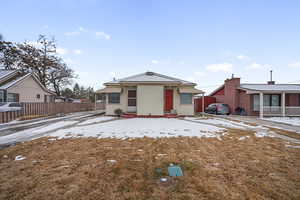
18	87
150	94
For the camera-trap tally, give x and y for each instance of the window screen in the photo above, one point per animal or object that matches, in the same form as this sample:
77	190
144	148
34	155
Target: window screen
114	98
2	96
12	97
255	102
186	98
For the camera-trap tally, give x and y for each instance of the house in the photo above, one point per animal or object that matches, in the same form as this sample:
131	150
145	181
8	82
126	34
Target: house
18	87
268	99
150	94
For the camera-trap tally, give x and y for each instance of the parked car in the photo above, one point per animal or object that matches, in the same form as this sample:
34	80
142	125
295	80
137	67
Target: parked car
218	109
10	106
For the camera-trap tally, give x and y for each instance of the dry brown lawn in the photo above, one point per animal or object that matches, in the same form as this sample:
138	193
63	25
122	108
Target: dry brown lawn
254	168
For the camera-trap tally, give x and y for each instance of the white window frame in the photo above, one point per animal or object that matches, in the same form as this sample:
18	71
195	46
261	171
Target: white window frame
108	99
185	103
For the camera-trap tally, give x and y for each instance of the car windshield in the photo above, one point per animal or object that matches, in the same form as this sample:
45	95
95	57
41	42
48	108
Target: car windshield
2	104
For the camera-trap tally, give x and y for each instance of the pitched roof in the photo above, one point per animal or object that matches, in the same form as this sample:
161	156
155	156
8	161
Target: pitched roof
151	77
9	78
6	73
275	87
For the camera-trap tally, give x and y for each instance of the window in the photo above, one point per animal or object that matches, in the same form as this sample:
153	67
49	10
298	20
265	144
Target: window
2	96
12	97
38	96
269	100
255	102
114	98
186	98
131	97
15	105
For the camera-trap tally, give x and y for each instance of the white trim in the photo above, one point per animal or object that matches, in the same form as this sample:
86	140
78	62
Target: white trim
261	105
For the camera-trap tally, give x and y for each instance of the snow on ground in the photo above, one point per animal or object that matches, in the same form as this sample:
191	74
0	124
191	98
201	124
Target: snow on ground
33	132
20	157
263	134
96	120
140	127
221	122
287	120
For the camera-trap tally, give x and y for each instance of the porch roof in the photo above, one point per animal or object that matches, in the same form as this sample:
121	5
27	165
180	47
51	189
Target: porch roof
109	90
190	90
288	88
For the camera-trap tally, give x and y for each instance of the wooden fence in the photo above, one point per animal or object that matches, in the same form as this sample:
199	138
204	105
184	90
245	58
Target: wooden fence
48	109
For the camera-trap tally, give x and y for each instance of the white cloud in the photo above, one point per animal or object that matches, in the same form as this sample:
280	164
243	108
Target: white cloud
74	33
257	66
223	67
295	64
61	51
77	51
82	29
200	74
45	27
103	35
154	62
243	57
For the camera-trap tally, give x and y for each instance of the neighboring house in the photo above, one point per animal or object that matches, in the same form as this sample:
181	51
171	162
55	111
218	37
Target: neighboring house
260	99
150	94
17	87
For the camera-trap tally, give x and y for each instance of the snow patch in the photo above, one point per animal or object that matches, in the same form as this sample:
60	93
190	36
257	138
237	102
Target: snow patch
261	134
221	122
20	157
244	137
141	127
112	161
33	132
96	120
287	120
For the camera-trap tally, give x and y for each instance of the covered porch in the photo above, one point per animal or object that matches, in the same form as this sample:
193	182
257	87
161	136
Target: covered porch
279	104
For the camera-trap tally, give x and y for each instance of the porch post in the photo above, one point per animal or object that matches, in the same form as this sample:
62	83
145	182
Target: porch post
95	101
283	103
203	107
261	105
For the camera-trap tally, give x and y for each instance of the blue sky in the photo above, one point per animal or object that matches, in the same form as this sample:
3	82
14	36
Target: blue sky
201	41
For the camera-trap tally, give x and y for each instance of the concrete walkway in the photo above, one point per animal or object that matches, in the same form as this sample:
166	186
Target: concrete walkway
266	123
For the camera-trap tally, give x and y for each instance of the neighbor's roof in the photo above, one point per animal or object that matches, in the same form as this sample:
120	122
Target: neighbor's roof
6	73
17	79
275	87
150	77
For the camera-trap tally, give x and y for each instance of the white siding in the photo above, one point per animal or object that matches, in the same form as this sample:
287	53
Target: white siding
110	108
182	109
28	89
150	100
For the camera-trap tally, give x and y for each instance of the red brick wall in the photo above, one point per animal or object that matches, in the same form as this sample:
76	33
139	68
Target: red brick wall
292	99
235	97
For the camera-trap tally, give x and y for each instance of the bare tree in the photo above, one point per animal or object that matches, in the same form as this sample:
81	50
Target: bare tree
9	55
60	76
39	58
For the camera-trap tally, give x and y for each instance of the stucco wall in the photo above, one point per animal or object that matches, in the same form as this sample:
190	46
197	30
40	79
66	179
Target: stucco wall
28	89
150	100
182	109
110	108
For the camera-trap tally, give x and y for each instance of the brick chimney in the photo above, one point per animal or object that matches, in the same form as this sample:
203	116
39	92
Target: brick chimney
231	92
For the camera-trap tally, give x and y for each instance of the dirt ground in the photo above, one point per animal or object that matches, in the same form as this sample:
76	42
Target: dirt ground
253	168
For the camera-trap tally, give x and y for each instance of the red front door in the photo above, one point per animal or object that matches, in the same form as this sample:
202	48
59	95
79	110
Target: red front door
168	100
